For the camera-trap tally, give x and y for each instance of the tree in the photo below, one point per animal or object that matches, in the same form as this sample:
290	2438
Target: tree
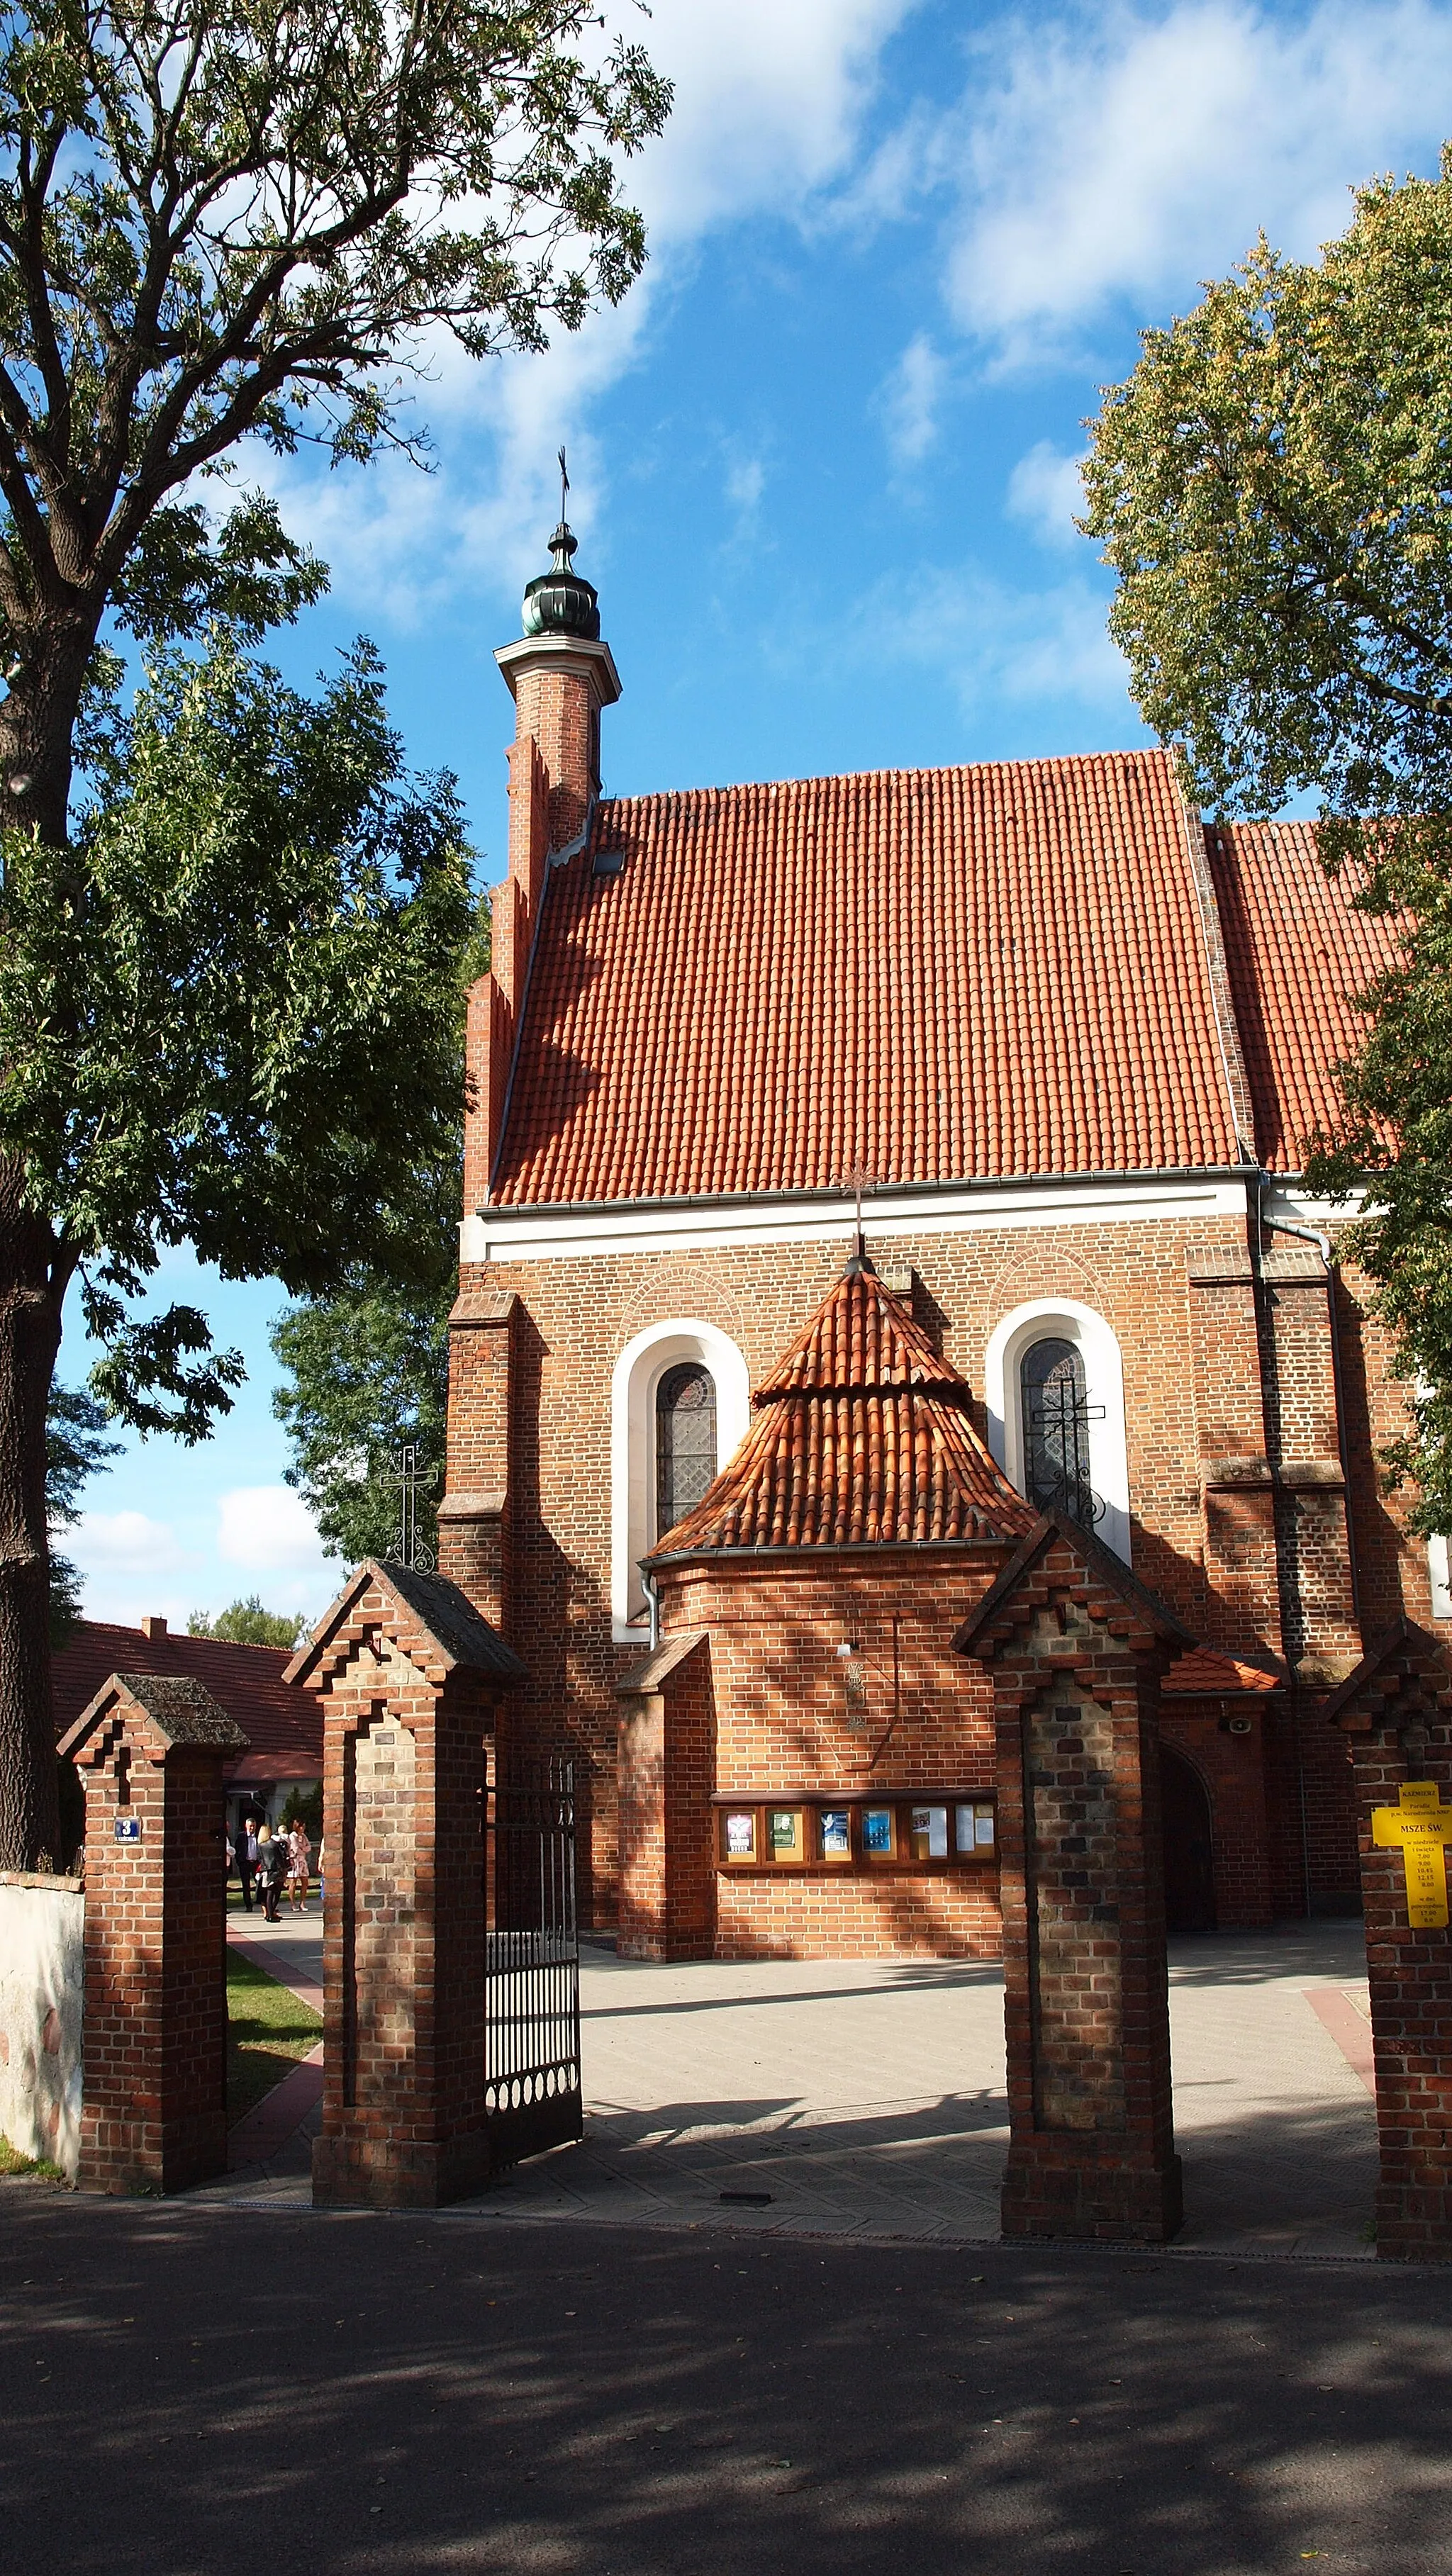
369	1372
239	221
1271	487
228	1016
247	218
75	1450
246	1623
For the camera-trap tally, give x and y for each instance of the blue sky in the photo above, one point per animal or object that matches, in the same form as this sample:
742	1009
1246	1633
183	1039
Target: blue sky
823	465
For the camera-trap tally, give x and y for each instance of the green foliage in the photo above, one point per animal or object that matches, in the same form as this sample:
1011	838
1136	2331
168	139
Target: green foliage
1271	486
368	1373
246	1623
228	1016
1396	1144
308	1812
251	223
75	1449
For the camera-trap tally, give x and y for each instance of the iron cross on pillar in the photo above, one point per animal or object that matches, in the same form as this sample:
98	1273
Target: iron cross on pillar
1423	1828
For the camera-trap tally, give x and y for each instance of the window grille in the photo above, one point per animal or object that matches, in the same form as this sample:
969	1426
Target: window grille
1056	1419
685	1442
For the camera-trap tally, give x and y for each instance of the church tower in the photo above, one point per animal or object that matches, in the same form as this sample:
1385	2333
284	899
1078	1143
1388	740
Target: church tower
560	675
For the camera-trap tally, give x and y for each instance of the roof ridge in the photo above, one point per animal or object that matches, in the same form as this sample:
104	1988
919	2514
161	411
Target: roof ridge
1143	755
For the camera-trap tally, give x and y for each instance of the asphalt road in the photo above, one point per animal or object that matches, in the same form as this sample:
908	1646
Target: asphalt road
217	2392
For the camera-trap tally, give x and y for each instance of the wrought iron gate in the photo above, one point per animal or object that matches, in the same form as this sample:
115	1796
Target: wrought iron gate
532	1964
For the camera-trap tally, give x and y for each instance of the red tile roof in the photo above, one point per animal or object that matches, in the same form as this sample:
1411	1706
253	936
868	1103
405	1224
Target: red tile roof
1206	1673
284	1726
1298	952
862	1438
938	975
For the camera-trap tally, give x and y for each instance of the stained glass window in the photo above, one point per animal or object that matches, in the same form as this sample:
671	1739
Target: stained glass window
685	1442
1056	1415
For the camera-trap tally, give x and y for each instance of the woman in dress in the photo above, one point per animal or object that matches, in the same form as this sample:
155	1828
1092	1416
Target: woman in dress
299	1854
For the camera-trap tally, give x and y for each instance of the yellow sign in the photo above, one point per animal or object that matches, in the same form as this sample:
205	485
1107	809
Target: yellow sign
1423	1827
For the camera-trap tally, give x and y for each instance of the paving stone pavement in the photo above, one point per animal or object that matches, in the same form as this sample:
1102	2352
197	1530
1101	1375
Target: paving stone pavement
866	2099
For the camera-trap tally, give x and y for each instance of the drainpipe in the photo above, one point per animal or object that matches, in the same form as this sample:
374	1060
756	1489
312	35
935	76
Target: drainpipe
652	1594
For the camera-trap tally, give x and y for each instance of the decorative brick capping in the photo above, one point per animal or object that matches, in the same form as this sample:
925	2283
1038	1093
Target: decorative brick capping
1396	1713
1077	1649
152	1750
410	1678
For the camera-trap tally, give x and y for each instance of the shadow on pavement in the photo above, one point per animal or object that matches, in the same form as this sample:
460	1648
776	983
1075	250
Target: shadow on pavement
385	2397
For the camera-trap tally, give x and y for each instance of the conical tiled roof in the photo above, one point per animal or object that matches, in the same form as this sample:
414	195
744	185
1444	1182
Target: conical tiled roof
863	1437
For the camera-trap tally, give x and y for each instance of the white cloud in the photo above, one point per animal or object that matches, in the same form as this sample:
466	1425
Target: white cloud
123	1543
745	484
1126	154
995	644
267	1529
1045	491
770	101
910	400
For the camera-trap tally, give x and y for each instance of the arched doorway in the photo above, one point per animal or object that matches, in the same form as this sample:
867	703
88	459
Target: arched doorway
1188	1846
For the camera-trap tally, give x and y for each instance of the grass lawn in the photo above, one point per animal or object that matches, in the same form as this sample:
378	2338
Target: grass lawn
268	2030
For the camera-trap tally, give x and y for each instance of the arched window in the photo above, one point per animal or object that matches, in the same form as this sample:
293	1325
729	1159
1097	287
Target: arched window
639	1388
1056	1414
685	1442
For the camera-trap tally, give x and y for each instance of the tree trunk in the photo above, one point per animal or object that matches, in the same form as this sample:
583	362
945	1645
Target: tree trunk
30	1332
37	726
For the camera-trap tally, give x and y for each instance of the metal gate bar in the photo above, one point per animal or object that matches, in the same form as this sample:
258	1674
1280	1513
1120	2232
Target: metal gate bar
532	1964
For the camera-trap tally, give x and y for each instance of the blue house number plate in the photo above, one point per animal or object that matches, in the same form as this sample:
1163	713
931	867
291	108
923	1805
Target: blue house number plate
128	1829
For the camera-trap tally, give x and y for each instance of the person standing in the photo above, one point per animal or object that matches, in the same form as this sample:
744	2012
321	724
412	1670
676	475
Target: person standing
247	1858
299	1853
271	1870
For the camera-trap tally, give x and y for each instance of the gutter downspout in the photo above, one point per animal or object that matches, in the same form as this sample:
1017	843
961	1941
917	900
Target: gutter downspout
1323	1243
652	1594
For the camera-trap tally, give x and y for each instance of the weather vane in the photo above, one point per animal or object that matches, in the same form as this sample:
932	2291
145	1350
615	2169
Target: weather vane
564	484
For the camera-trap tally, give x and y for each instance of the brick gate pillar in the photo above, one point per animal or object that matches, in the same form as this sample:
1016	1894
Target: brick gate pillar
410	1679
152	1751
1396	1712
1076	1649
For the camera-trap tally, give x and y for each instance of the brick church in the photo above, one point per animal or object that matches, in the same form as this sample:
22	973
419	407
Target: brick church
855	1169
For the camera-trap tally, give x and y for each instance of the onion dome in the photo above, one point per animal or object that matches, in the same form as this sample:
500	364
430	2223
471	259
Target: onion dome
561	601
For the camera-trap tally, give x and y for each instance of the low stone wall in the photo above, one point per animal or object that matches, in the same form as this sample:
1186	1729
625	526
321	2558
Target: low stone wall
42	1986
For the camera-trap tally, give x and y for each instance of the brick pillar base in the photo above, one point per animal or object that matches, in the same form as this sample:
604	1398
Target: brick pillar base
664	1770
1396	1710
1076	1649
409	1676
152	1751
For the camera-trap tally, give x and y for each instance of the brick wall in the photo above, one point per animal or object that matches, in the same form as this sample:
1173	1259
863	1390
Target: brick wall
1192	1390
785	1720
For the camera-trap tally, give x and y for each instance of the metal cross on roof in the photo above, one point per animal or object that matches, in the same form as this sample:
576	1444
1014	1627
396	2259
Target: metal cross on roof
564	483
858	1180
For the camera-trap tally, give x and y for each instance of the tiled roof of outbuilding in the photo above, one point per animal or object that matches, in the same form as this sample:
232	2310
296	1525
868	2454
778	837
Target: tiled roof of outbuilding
283	1727
862	1438
1298	952
935	975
